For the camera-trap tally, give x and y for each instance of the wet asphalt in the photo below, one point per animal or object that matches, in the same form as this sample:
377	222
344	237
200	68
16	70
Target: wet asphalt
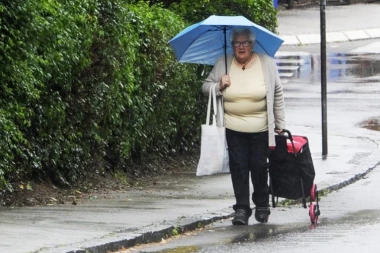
183	201
350	222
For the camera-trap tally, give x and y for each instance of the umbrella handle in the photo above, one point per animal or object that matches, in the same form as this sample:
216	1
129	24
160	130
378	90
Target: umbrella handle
225	48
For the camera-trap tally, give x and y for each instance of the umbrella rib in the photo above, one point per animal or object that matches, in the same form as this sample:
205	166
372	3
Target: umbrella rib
262	47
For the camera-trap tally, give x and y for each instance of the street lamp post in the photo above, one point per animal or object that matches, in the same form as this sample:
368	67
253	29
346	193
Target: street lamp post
323	76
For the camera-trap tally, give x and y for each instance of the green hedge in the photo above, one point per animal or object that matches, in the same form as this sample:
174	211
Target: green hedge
93	85
261	12
90	85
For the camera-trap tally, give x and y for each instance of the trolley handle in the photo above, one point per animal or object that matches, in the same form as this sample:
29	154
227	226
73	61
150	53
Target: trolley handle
290	137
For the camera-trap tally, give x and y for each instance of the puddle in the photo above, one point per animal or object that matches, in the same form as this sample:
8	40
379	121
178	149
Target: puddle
339	65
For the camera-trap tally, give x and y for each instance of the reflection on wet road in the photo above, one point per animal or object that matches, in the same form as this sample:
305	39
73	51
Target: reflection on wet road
357	231
353	86
350	223
339	65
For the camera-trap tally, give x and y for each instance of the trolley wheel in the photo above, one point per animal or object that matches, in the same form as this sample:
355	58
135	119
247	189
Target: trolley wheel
313	193
313	213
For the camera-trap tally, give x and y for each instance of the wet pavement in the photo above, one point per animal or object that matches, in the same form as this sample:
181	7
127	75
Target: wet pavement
350	223
183	201
343	23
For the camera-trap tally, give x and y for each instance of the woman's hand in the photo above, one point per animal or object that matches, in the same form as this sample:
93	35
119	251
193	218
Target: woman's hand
224	82
279	131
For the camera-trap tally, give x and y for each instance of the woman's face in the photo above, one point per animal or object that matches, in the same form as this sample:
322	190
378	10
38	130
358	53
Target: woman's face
242	46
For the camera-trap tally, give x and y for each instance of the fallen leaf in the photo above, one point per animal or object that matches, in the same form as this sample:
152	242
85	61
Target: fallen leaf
53	199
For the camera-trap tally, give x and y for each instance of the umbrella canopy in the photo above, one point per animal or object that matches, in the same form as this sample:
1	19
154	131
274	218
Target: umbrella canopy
207	41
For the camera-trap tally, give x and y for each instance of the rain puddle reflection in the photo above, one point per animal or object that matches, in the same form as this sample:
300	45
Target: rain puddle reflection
357	228
339	65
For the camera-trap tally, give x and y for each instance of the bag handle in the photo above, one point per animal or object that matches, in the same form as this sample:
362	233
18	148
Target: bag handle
220	111
211	98
209	107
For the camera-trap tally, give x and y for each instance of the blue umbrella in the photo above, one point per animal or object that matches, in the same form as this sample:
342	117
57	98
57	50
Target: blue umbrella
206	41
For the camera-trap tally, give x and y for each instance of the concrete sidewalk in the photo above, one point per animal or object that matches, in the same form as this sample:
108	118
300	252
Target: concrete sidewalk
183	201
342	23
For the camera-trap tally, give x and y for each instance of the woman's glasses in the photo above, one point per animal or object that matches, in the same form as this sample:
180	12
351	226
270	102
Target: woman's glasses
239	43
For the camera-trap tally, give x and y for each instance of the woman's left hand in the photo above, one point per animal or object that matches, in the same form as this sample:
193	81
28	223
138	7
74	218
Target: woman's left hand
279	131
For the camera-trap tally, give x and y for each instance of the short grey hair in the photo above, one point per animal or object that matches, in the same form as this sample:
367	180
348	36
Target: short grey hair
242	30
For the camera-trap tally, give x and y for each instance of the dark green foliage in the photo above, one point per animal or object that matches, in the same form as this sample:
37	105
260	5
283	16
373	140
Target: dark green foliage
94	85
46	48
147	85
261	12
90	85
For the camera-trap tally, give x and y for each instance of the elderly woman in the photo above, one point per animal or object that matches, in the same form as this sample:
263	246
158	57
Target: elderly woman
254	110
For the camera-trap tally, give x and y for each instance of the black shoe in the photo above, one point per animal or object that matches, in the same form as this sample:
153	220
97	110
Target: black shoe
241	217
262	214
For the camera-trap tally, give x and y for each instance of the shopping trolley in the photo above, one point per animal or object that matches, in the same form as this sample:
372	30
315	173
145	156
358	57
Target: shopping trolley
291	172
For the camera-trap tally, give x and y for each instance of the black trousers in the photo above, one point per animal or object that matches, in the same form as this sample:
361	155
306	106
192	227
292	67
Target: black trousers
248	154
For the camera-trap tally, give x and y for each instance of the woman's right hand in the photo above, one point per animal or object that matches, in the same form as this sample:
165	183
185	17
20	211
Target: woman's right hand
224	82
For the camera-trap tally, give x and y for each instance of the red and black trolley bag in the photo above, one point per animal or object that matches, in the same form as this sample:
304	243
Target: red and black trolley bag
291	168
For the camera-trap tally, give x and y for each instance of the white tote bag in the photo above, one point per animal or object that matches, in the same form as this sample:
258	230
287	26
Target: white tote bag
214	152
